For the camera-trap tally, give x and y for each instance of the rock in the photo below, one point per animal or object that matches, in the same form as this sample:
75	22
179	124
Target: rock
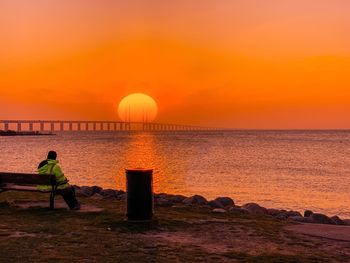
275	212
163	195
85	191
238	210
321	219
282	214
108	193
96	196
218	210
177	198
308	213
97	189
119	192
346	222
300	219
121	196
215	204
88	191
225	201
163	202
337	220
195	200
255	209
292	213
172	198
221	202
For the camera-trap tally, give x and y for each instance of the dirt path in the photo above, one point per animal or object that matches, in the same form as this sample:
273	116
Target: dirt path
26	204
337	233
100	233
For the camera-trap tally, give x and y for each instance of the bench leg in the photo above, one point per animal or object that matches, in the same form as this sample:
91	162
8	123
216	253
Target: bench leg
52	201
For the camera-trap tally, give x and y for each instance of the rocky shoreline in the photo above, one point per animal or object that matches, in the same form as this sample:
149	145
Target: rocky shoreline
218	205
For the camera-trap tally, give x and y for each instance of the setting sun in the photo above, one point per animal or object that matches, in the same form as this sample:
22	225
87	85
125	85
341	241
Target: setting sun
137	107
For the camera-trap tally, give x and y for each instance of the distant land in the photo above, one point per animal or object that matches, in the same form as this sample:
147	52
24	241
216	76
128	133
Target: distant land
23	133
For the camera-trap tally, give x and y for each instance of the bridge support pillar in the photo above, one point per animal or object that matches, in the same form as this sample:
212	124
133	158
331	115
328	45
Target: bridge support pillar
6	126
19	126
52	126
31	126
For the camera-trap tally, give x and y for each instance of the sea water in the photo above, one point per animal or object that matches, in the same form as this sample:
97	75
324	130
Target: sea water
281	169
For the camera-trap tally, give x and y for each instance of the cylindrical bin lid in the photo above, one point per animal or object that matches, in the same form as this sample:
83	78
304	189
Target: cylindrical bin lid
139	191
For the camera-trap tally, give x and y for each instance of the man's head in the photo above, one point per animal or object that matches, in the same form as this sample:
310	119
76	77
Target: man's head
52	155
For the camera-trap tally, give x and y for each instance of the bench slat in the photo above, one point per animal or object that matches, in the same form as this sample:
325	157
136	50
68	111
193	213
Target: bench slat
25	179
23	188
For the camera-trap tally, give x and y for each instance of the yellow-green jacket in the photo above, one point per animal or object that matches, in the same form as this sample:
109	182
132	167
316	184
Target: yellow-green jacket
52	167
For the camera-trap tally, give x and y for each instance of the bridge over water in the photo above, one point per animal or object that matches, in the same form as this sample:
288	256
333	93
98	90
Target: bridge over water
60	125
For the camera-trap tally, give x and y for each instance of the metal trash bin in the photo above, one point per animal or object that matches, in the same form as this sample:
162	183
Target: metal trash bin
139	192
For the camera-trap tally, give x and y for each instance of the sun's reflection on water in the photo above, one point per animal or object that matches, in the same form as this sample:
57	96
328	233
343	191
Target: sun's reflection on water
142	151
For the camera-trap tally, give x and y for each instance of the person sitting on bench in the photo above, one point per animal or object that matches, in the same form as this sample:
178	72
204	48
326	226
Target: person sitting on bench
50	166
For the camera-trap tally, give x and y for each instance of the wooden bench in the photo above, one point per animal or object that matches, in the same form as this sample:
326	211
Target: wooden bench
29	182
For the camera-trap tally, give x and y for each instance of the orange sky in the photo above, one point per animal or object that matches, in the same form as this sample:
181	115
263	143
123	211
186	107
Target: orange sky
239	64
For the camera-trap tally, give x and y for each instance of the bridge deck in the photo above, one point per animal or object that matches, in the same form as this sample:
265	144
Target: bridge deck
70	125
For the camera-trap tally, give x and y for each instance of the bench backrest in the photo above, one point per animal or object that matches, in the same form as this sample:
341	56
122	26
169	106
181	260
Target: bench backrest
26	179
